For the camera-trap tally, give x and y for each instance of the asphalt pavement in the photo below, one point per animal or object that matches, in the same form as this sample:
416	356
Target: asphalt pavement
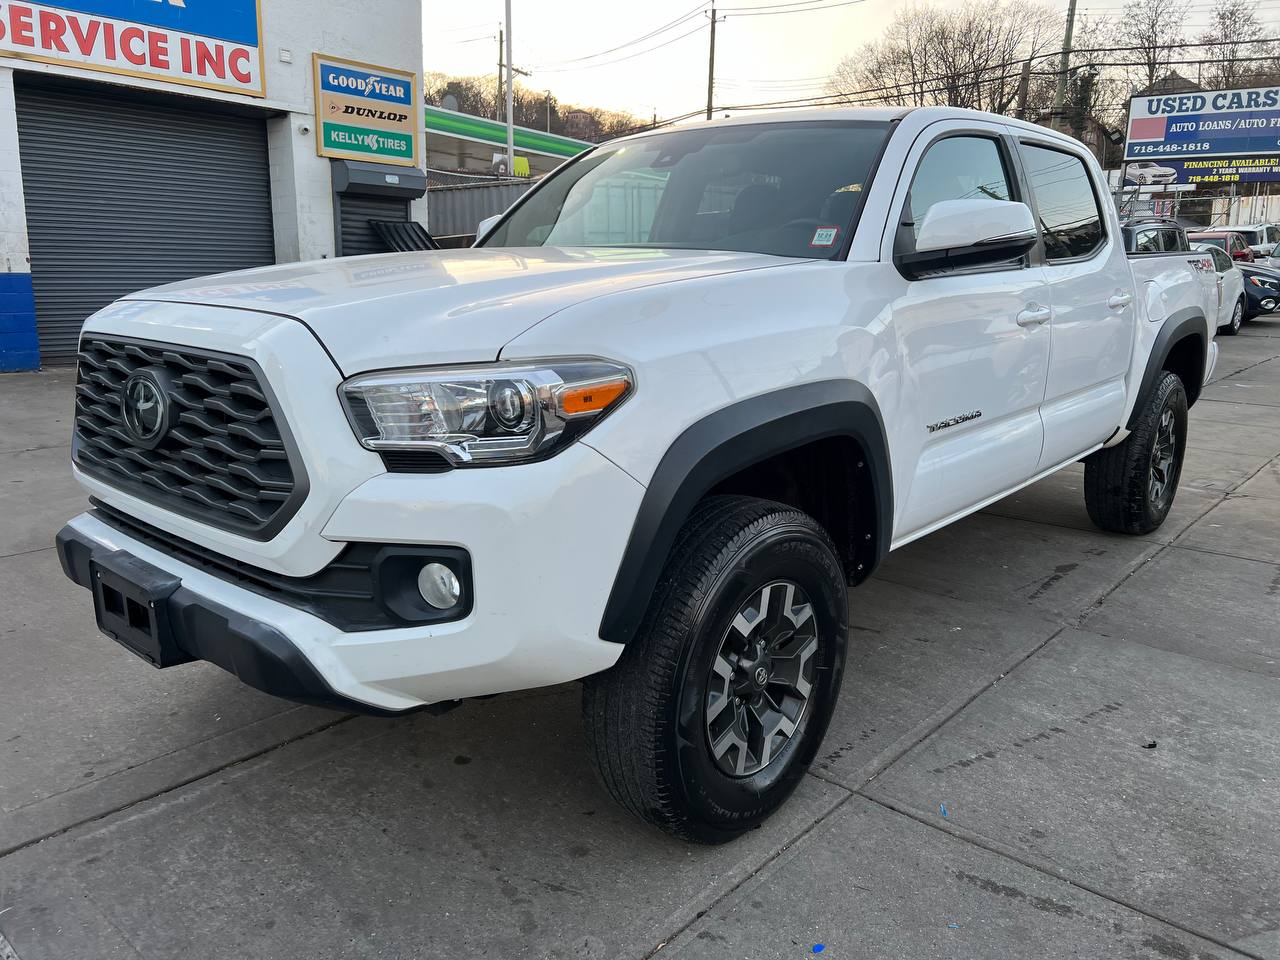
1051	742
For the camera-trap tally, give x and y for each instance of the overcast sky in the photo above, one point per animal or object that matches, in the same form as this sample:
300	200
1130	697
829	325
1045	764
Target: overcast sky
758	58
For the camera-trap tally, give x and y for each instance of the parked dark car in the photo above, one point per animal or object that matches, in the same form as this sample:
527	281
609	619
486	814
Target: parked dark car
1152	235
1261	290
1236	246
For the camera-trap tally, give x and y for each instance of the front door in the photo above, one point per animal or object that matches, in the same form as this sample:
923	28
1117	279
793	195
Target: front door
975	346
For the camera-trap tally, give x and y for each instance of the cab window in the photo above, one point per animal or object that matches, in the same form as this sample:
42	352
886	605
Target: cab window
957	168
1148	241
1070	217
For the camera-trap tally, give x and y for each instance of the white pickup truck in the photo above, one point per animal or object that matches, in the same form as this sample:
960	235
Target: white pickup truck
648	432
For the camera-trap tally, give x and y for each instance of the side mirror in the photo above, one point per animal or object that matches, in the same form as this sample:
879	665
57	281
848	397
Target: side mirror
968	233
485	225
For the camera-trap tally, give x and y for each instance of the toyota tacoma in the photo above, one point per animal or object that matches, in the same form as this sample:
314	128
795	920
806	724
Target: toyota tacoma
647	433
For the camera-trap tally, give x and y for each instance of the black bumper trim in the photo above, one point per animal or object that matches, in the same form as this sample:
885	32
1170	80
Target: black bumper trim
256	653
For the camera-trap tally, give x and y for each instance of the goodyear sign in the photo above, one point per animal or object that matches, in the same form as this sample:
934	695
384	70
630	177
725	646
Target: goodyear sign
365	112
215	44
1207	125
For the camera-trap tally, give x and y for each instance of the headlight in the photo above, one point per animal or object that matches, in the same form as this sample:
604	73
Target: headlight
485	414
1266	282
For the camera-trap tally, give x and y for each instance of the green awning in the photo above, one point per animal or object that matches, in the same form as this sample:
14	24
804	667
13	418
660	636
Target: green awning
449	123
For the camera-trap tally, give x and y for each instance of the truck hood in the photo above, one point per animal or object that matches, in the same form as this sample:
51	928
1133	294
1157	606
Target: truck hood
446	306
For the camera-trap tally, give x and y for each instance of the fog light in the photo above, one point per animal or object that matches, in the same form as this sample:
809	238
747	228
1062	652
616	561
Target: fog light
1268	304
439	586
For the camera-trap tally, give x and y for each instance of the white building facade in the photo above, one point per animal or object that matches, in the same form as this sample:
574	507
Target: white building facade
143	141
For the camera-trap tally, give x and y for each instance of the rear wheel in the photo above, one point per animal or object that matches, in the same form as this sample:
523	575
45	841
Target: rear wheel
1129	488
719	704
1231	328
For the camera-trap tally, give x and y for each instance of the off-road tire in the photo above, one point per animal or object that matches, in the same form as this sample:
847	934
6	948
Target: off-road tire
1237	318
647	720
1118	480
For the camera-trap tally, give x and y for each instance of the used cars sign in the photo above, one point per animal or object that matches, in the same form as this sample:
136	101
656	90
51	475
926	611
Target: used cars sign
365	112
1204	127
204	43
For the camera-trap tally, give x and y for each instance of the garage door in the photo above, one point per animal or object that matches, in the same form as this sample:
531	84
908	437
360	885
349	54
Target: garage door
123	195
354	214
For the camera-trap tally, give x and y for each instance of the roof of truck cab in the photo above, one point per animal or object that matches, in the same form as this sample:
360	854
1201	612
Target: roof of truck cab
924	114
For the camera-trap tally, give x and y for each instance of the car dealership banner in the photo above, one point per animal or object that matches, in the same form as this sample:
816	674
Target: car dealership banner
1205	171
1208	126
365	112
216	44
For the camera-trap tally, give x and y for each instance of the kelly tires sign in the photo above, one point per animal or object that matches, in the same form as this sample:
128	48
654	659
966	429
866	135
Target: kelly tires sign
1217	136
215	44
365	112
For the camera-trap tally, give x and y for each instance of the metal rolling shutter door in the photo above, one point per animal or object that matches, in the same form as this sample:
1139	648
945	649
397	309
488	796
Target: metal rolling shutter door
358	238
123	195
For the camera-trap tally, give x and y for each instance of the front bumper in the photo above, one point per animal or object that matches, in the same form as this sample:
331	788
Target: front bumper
545	541
258	653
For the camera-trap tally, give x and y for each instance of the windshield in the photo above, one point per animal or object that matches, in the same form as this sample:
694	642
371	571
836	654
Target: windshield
790	189
1219	242
1250	236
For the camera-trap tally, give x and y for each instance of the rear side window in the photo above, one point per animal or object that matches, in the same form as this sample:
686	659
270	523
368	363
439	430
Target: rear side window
1176	241
958	168
1069	214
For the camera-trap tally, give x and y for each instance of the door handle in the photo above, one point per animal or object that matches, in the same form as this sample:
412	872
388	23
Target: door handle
1033	316
1118	301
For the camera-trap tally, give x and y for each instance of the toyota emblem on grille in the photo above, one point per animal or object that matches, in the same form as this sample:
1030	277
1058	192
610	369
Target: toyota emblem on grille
144	406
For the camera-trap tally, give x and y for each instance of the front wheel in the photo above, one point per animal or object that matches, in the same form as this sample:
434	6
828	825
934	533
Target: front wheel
717	707
1129	488
1237	317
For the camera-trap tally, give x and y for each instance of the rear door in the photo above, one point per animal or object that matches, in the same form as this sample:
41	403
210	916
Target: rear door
1090	290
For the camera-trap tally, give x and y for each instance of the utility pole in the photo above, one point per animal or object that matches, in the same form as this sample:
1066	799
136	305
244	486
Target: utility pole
548	111
497	96
1060	96
511	130
1024	89
711	63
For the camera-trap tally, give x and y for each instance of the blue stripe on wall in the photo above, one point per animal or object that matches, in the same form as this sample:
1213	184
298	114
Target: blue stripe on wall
19	347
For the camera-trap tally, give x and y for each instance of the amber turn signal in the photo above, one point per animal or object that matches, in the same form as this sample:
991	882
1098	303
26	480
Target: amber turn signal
591	398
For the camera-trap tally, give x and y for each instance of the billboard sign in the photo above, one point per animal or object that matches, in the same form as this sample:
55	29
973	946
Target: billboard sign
365	112
1205	124
215	44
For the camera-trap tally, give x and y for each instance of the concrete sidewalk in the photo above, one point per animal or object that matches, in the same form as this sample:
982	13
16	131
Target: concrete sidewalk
1052	742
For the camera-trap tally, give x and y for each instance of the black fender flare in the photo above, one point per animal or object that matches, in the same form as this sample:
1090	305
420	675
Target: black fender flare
1184	323
725	442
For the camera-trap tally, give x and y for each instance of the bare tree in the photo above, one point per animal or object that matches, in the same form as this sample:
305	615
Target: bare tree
1153	30
1238	57
966	56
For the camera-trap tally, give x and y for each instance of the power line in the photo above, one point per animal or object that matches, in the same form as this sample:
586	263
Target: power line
631	56
669	25
806	8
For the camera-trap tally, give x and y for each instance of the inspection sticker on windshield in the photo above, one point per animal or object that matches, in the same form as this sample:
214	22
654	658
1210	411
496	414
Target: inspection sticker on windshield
825	237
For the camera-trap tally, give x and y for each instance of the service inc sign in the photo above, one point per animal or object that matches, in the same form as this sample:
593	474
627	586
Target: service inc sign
365	112
1211	137
215	44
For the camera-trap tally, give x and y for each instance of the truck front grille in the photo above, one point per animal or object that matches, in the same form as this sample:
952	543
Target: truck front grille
218	454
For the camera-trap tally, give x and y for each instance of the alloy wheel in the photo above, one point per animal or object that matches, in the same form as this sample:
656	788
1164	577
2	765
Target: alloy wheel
1163	455
761	679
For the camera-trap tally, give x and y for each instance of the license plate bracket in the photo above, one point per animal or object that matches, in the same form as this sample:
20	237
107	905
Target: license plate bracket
130	601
